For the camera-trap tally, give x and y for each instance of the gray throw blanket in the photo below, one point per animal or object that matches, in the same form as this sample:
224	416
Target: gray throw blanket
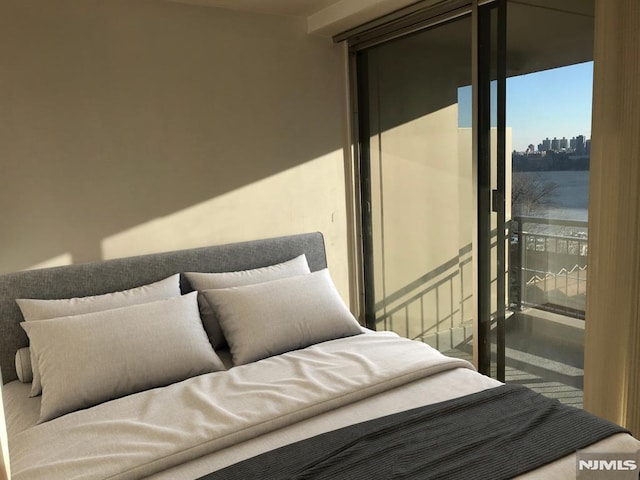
493	434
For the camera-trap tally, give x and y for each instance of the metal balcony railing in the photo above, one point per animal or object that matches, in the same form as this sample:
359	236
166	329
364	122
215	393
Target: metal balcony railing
548	265
547	270
437	307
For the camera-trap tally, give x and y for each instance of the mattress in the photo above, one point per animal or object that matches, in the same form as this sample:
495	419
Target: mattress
198	426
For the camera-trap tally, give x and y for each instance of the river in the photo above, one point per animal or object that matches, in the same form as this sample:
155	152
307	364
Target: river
570	200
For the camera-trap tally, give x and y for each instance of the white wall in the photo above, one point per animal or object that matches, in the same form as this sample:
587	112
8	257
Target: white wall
133	126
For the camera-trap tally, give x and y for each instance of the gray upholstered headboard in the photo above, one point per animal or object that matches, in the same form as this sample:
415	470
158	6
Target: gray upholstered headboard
120	274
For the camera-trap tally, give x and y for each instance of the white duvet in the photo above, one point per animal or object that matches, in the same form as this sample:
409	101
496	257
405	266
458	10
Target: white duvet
149	432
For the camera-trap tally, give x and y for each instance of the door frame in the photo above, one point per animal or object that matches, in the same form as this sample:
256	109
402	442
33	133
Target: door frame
486	199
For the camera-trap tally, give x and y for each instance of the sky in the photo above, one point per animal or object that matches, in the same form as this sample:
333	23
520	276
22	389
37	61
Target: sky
551	103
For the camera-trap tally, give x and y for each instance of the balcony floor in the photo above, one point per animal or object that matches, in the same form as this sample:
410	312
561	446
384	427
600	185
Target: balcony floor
544	352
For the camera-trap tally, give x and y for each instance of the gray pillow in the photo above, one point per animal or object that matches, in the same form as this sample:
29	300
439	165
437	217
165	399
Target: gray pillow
89	359
36	309
274	317
207	281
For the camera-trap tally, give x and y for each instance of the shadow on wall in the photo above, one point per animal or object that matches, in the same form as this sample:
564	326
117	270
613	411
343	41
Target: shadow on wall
118	113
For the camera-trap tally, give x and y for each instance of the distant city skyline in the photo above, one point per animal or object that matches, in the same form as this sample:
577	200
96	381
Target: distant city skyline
550	103
578	144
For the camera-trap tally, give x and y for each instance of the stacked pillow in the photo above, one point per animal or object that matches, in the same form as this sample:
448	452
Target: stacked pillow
207	281
270	318
36	309
85	351
271	310
121	343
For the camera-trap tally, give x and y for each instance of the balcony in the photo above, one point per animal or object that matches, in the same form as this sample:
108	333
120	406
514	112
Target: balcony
545	328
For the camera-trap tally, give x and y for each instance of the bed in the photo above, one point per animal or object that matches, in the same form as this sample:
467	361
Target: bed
241	361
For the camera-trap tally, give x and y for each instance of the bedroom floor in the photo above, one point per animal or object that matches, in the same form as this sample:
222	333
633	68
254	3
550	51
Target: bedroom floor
545	353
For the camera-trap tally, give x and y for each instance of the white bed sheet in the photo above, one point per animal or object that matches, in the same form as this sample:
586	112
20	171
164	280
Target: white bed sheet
22	411
438	387
433	389
148	432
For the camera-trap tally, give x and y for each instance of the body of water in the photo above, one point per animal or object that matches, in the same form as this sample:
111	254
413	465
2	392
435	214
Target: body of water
570	200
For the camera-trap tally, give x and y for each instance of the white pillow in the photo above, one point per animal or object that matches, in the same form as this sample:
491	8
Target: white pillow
88	359
274	317
207	281
36	309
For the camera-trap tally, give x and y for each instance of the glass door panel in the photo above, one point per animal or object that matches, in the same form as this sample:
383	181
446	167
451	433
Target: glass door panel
418	200
549	88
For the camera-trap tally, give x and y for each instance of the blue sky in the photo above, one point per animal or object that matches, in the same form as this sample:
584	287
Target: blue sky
551	103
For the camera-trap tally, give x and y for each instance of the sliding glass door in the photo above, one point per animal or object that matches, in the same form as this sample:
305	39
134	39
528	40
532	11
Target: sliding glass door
452	237
428	174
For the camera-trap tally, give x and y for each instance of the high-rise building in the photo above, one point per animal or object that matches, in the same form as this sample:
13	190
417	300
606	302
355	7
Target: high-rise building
546	144
555	144
580	147
564	143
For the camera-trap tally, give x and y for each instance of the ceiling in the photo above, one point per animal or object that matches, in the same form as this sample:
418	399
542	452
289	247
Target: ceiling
330	17
323	17
293	8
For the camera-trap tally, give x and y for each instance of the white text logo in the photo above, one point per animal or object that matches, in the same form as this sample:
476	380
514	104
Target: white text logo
608	465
